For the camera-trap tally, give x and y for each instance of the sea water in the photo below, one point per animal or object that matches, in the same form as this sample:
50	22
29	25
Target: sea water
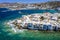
6	33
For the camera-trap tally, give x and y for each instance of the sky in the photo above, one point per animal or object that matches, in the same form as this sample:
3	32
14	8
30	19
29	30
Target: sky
27	1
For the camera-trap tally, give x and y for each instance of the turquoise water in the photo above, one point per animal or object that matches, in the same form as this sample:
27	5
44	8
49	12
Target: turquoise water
7	34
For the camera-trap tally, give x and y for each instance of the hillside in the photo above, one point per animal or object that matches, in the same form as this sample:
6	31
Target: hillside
16	6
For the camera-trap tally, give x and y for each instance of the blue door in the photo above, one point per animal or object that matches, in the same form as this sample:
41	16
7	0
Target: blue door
30	26
55	28
44	27
36	27
49	27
